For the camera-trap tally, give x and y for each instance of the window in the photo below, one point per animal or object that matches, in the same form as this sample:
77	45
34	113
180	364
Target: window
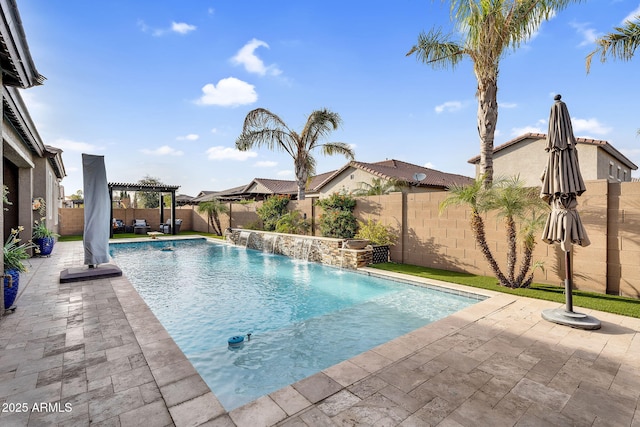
610	169
619	176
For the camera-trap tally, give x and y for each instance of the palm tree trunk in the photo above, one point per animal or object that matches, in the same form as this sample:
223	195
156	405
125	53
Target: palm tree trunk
477	226
218	225
511	254
487	121
525	265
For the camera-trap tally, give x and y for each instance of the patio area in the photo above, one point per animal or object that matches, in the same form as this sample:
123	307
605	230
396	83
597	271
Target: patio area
92	353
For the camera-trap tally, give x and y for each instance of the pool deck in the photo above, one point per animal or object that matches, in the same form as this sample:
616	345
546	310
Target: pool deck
97	354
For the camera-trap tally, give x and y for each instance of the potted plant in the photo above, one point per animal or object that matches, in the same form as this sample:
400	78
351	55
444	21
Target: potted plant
14	254
380	236
43	237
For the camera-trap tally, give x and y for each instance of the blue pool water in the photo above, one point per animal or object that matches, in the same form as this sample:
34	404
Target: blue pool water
303	317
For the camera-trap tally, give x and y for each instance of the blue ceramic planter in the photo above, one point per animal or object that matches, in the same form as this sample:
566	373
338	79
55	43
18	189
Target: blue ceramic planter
45	244
11	286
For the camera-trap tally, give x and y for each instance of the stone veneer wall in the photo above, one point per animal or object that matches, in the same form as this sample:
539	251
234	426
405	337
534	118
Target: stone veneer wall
323	250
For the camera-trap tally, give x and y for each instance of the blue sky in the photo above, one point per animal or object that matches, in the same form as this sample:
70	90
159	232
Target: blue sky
161	88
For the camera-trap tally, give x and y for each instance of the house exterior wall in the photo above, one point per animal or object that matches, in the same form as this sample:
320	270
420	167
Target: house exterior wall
528	158
351	179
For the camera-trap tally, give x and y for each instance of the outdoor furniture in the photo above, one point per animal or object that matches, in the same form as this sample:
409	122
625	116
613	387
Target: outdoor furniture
140	226
166	227
118	226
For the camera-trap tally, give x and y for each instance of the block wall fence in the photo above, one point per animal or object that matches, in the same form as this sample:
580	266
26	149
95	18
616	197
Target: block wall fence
429	238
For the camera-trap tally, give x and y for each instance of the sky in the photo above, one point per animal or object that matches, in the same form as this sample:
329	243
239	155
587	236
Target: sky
161	88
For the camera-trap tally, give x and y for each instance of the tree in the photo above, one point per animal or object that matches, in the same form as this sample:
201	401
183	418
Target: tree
149	199
377	187
213	209
271	210
485	30
77	195
263	128
519	206
621	44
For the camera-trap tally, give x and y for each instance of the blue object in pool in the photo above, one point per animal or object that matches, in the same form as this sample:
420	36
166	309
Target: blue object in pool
236	341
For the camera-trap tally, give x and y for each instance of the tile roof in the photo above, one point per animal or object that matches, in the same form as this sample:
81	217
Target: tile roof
392	169
580	140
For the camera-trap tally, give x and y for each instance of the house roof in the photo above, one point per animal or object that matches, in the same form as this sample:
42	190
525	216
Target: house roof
16	62
588	141
406	172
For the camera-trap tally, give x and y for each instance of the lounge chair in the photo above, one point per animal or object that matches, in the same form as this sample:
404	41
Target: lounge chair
166	227
140	226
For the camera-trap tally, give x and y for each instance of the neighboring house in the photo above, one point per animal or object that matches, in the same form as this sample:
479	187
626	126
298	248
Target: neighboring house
526	156
413	178
347	179
31	170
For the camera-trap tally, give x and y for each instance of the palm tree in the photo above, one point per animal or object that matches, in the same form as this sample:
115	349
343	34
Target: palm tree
263	128
519	206
377	187
620	45
213	208
486	29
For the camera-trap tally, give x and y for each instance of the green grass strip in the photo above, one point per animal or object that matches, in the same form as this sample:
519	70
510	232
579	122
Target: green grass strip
592	300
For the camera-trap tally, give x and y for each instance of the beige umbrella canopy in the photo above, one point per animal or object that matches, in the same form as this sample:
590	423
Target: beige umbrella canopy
561	185
562	182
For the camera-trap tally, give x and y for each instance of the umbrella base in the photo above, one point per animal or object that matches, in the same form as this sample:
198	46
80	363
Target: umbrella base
571	318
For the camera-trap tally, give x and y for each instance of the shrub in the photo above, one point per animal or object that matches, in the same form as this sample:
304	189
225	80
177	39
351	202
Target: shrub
292	223
271	210
337	201
338	223
376	233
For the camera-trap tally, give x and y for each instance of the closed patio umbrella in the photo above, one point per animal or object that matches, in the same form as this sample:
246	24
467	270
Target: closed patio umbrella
561	185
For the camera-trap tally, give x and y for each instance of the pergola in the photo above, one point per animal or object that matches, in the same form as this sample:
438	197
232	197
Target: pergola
153	188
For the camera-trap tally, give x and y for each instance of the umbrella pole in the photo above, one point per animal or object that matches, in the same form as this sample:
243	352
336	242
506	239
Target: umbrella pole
568	285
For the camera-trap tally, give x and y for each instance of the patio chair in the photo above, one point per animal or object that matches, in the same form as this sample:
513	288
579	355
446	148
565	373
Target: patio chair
166	227
140	226
118	226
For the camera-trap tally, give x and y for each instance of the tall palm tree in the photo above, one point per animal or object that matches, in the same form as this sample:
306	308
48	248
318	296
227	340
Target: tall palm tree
213	209
620	45
485	30
263	128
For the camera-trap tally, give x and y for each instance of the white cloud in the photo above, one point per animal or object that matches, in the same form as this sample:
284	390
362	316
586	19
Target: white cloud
539	127
285	173
526	129
176	27
589	126
632	16
165	150
428	165
189	137
508	105
589	35
214	130
246	57
182	28
265	164
69	145
227	153
449	107
230	92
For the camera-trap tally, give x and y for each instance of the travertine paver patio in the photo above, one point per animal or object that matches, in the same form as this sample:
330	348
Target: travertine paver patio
98	356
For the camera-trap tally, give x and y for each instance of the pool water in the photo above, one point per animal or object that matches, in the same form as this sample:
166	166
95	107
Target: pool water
303	317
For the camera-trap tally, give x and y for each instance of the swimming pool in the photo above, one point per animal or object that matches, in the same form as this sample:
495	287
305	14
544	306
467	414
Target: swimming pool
302	317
